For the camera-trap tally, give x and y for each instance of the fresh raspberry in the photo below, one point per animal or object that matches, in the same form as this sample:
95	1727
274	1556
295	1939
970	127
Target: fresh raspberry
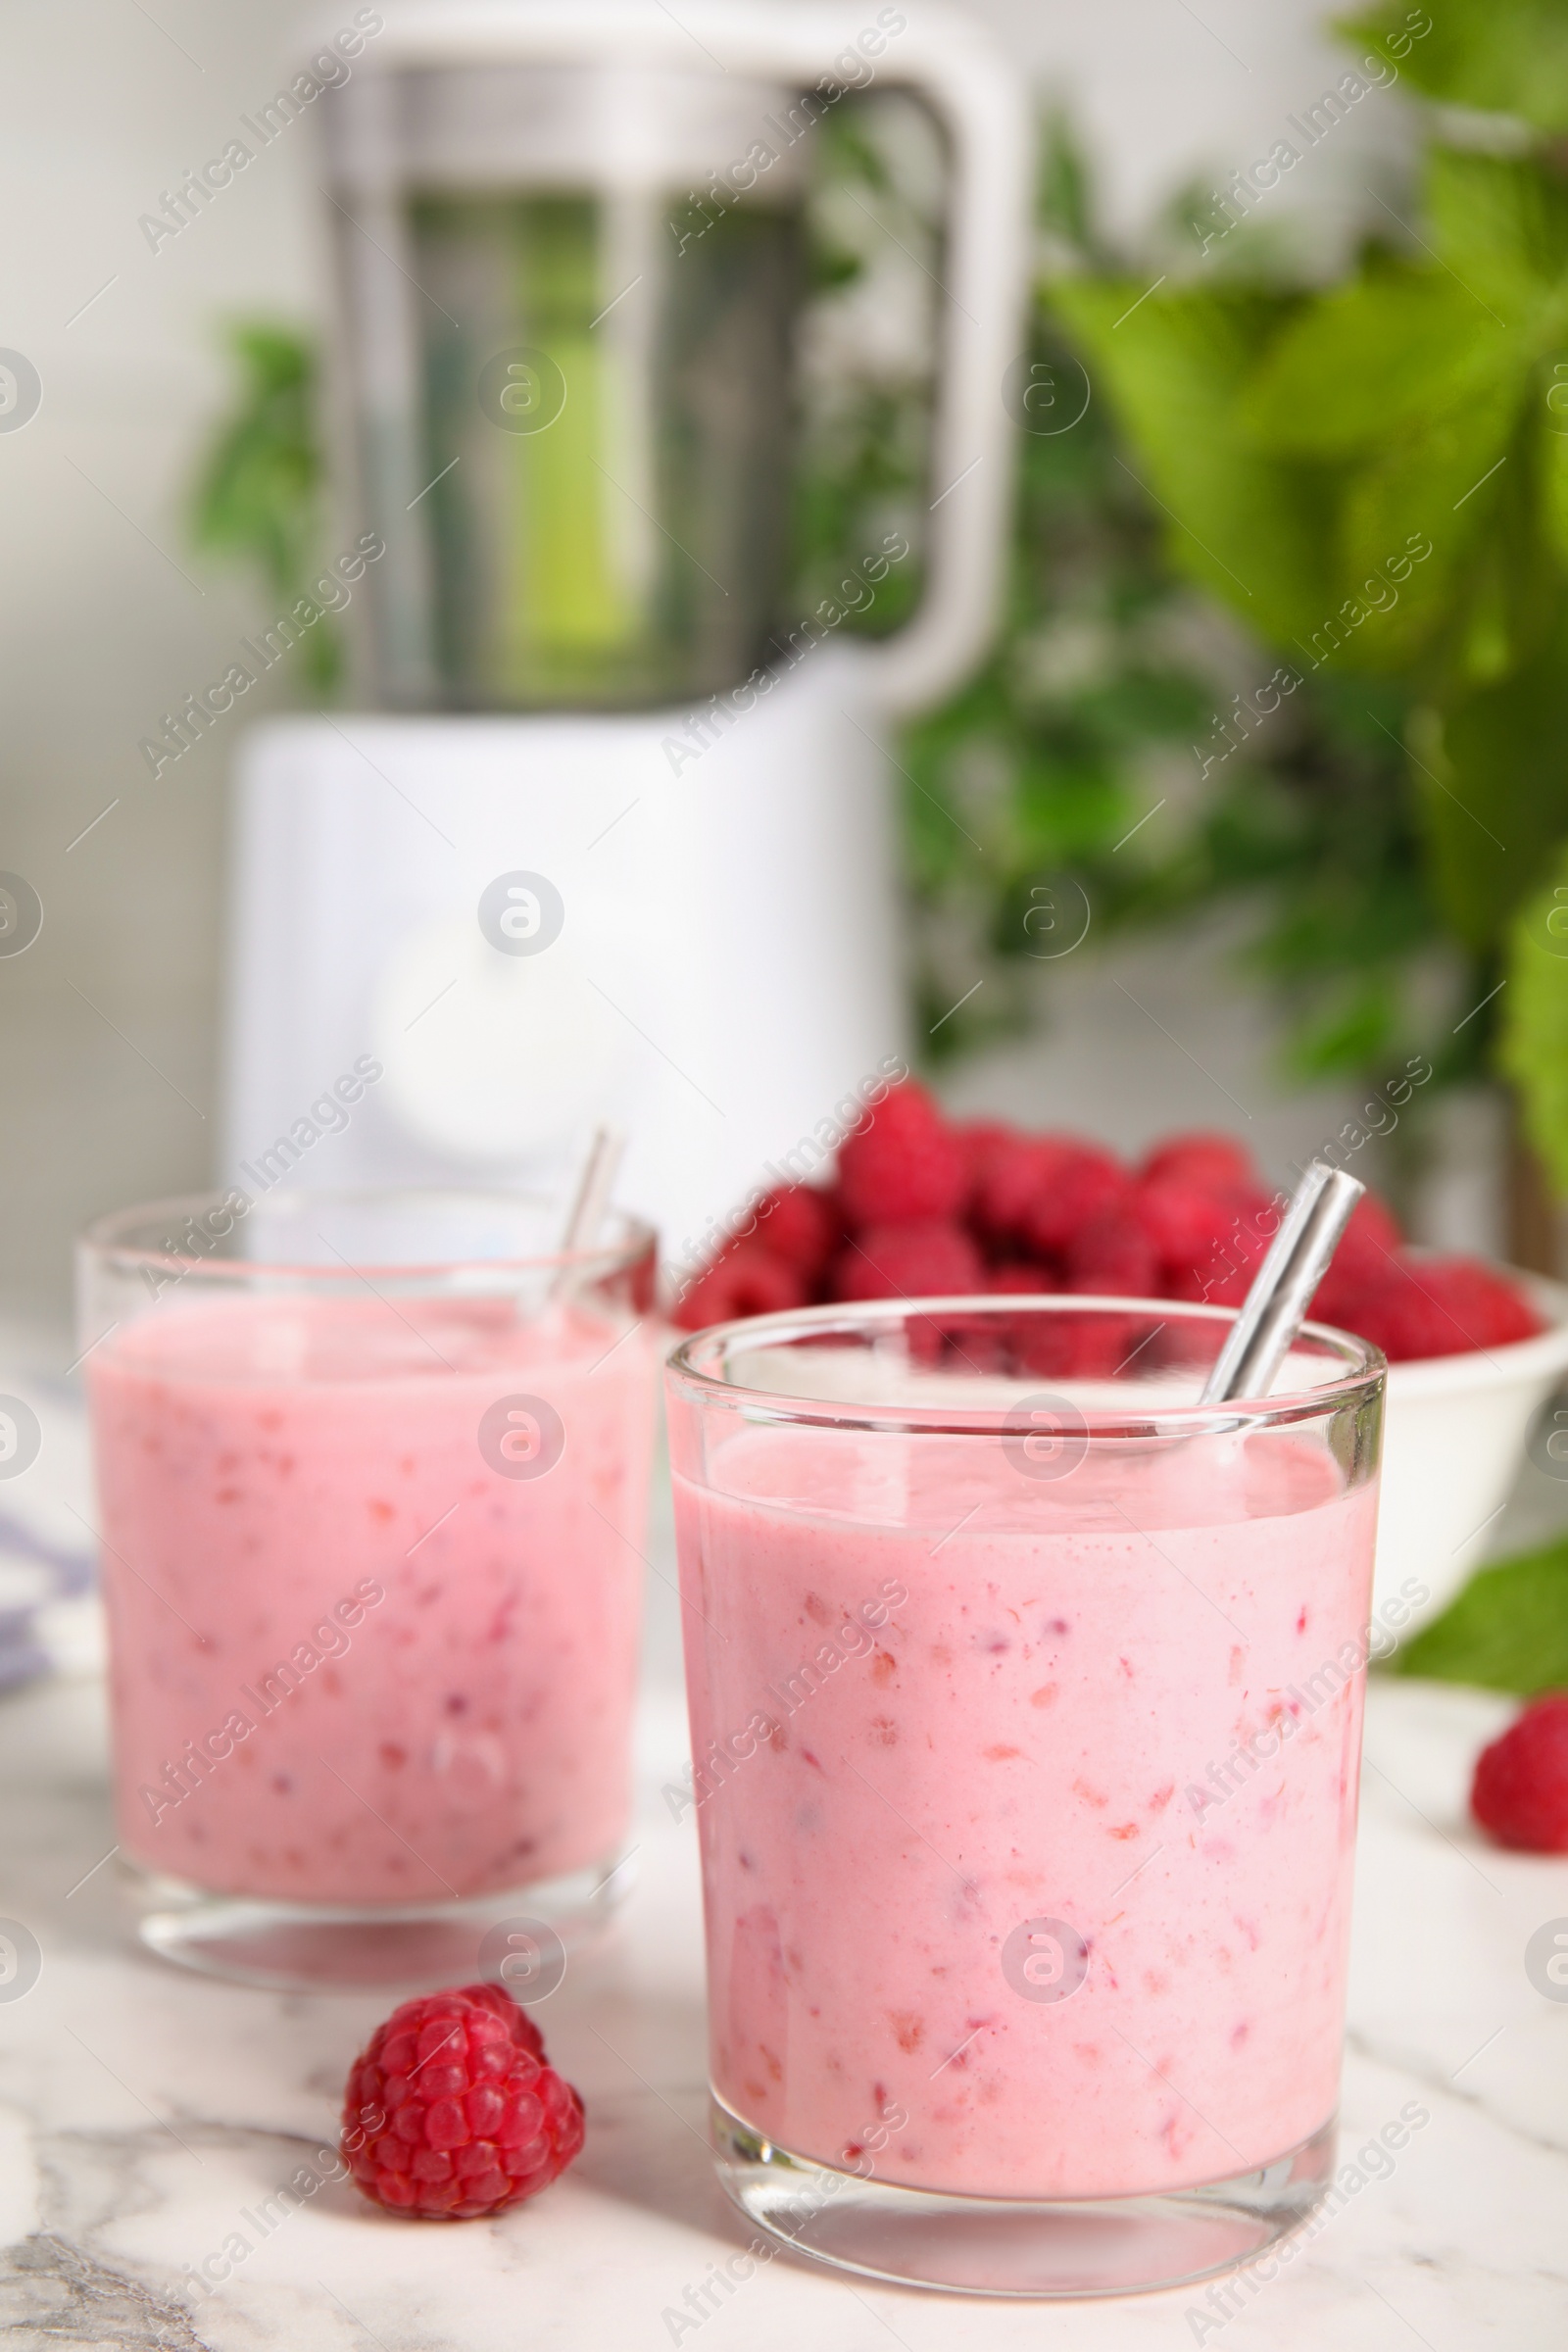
1071	1346
1083	1184
799	1225
980	1140
905	1164
1369	1254
1230	1276
1015	1176
1113	1256
1430	1306
743	1280
1520	1791
1200	1158
983	1142
1187	1221
451	2108
927	1259
1481	1301
1225	1272
1017	1277
519	2025
1371	1237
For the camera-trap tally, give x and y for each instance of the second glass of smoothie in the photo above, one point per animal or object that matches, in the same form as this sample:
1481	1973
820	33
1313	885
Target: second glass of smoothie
373	1477
1026	1711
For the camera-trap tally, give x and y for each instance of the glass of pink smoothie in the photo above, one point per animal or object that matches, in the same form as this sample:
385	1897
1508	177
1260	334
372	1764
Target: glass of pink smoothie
373	1477
1026	1712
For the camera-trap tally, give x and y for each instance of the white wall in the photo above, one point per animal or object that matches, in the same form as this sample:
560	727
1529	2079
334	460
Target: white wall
1171	90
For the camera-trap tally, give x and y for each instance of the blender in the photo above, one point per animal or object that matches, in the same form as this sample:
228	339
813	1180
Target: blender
604	841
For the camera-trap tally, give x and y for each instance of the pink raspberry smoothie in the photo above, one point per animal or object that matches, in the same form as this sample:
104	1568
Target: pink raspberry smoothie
352	1661
1128	1701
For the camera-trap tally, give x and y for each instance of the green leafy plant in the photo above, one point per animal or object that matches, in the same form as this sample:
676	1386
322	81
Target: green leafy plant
864	412
1507	1630
258	493
1535	1040
1374	478
1115	741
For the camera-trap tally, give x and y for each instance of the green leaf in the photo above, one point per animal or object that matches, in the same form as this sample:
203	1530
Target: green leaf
256	492
1063	196
935	836
1493	794
1346	1035
1252	530
1394	348
1503	56
1137	706
1552	461
1507	1630
1065	810
1501	223
1414	380
1435	490
1534	1045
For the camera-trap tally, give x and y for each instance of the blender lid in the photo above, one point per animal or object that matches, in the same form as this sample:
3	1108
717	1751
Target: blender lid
553	126
521	96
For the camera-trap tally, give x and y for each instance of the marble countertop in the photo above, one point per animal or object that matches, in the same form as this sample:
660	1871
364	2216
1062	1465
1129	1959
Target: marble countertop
143	2110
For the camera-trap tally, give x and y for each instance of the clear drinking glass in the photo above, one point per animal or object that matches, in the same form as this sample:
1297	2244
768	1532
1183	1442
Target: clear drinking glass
1026	1704
372	1475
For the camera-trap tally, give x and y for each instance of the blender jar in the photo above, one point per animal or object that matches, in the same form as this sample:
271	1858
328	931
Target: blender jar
565	368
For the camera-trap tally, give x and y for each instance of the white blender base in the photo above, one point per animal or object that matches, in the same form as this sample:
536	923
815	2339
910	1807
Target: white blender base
725	978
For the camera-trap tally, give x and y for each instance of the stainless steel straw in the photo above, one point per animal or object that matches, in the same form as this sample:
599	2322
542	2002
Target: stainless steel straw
1264	1332
592	1201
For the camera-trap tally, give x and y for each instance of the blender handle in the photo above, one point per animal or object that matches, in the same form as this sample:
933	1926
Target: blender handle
981	104
980	100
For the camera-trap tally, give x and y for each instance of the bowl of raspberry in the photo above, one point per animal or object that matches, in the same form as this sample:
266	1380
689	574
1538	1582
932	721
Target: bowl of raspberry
924	1206
1483	1347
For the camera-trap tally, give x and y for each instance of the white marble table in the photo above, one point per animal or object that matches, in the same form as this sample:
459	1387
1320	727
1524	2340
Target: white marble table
143	2110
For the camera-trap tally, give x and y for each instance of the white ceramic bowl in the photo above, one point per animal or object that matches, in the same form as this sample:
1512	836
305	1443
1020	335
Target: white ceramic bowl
1453	1444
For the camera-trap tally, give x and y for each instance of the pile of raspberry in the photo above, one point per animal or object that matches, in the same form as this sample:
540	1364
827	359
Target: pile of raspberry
451	2108
925	1207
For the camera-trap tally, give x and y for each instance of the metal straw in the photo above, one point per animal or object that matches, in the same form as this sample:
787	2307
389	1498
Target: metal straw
592	1197
1265	1331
